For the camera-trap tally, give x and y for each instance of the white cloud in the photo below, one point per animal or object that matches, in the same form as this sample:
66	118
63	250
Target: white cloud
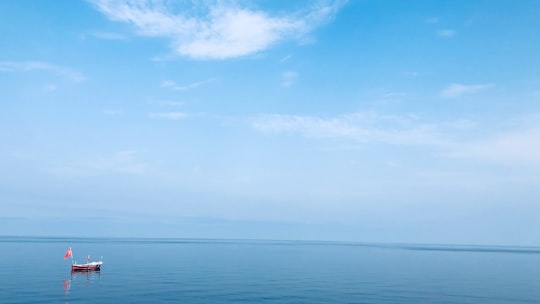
109	36
163	58
446	33
359	127
517	143
168	115
286	58
456	90
173	86
216	29
288	78
27	66
517	147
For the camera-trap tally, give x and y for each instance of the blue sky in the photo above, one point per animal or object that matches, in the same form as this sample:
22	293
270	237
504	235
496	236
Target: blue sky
376	121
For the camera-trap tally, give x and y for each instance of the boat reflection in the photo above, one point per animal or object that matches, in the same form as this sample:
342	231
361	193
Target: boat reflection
67	285
77	276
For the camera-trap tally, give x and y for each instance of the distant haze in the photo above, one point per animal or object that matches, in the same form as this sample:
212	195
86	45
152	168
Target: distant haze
371	121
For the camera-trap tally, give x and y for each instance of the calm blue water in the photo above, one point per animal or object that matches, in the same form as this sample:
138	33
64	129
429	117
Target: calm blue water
32	270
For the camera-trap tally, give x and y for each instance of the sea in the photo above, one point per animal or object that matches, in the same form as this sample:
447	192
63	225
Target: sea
32	270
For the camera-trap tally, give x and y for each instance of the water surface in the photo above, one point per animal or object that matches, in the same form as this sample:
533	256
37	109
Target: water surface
32	270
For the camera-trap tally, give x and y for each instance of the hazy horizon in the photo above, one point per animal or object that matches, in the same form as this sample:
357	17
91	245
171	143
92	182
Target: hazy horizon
369	121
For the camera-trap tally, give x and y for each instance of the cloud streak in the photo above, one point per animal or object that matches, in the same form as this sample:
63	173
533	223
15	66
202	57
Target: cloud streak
288	78
168	115
216	29
29	66
446	33
109	36
173	86
511	147
519	146
121	162
456	90
359	127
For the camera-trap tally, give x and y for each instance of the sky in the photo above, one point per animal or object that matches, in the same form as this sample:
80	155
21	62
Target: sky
361	120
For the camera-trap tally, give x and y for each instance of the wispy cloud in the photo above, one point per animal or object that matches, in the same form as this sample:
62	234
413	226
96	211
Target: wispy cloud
411	73
109	36
433	20
168	115
459	139
173	86
121	162
286	58
216	29
288	78
446	33
27	66
510	147
389	95
359	127
456	90
172	103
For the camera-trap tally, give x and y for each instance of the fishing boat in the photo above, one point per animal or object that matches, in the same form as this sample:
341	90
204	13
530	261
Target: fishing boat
92	266
89	266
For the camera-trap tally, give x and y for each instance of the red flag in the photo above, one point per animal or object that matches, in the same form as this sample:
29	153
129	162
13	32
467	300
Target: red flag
88	258
68	253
